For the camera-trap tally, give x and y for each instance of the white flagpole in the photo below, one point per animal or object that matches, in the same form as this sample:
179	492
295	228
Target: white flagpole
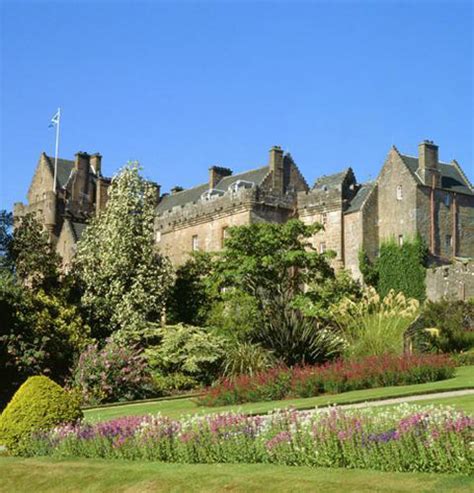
57	151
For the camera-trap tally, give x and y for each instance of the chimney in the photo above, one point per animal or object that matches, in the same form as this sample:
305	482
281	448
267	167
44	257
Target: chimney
428	163
96	163
81	162
216	173
277	168
428	155
176	189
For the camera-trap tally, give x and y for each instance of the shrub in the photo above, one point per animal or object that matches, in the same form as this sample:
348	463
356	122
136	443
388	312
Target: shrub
39	404
192	351
340	376
455	323
375	325
173	383
243	358
113	373
295	339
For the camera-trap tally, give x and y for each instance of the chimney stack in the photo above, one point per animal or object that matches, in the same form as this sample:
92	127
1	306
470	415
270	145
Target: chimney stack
428	163
176	189
428	155
96	163
81	162
276	166
216	173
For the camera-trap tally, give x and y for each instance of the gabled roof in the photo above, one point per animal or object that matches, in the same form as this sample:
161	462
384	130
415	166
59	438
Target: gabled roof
359	199
452	178
192	195
331	181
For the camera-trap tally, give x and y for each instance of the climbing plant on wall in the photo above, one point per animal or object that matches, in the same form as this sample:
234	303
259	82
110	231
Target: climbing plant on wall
401	268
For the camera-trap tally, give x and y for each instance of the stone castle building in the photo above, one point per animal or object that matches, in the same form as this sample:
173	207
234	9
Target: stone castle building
65	208
411	195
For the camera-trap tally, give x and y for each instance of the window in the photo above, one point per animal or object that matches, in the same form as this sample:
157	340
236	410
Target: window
447	200
322	247
158	236
195	243
400	240
224	235
449	242
399	192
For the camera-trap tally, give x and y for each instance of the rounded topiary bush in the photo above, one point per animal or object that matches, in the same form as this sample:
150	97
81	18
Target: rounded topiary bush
39	404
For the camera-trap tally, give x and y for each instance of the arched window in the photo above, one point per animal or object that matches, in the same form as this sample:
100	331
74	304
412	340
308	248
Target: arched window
399	192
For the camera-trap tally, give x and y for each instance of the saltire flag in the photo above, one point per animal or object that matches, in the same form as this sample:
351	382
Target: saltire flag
54	120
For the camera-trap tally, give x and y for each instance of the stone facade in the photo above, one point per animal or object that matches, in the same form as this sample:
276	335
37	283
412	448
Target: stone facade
451	281
411	196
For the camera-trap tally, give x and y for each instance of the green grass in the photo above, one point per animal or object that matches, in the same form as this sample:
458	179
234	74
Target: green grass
463	403
174	408
96	475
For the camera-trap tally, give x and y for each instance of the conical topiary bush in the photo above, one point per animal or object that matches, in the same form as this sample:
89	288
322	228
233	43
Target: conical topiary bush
39	404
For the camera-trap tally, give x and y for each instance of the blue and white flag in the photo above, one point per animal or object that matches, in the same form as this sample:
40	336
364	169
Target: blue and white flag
55	119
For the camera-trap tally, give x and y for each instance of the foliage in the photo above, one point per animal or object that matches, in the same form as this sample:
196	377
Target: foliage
455	323
236	315
340	376
189	350
243	358
6	225
39	333
388	441
375	325
173	383
268	260
190	298
319	296
398	268
110	374
125	281
38	405
295	339
35	262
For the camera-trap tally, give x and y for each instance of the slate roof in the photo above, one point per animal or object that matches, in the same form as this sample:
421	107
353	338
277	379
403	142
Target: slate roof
192	195
65	166
451	178
331	181
359	199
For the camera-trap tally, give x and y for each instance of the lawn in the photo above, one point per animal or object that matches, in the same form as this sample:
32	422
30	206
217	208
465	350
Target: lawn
174	408
96	475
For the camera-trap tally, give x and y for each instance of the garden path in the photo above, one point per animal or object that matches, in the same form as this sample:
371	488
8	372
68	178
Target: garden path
409	398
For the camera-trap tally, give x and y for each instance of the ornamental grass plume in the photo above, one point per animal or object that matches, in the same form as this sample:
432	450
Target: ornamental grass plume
375	325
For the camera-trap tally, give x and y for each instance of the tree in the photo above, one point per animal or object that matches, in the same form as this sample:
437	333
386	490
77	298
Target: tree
6	225
34	261
190	298
125	281
271	261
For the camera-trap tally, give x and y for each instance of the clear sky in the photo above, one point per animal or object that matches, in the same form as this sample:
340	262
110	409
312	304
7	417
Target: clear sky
181	86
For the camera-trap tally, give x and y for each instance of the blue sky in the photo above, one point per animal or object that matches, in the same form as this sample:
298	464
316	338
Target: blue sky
181	86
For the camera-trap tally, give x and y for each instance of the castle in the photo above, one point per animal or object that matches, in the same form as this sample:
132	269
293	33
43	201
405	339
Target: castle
411	195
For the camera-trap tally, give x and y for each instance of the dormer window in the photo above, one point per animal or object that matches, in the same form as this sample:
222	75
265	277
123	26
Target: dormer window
239	184
399	192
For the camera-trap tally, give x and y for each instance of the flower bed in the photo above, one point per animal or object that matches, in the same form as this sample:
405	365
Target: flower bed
340	376
405	438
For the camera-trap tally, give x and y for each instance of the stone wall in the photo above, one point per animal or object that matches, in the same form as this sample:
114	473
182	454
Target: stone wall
453	281
397	217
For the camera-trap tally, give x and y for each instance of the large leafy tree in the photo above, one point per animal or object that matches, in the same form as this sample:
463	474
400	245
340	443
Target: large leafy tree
31	255
274	264
125	281
271	261
6	225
